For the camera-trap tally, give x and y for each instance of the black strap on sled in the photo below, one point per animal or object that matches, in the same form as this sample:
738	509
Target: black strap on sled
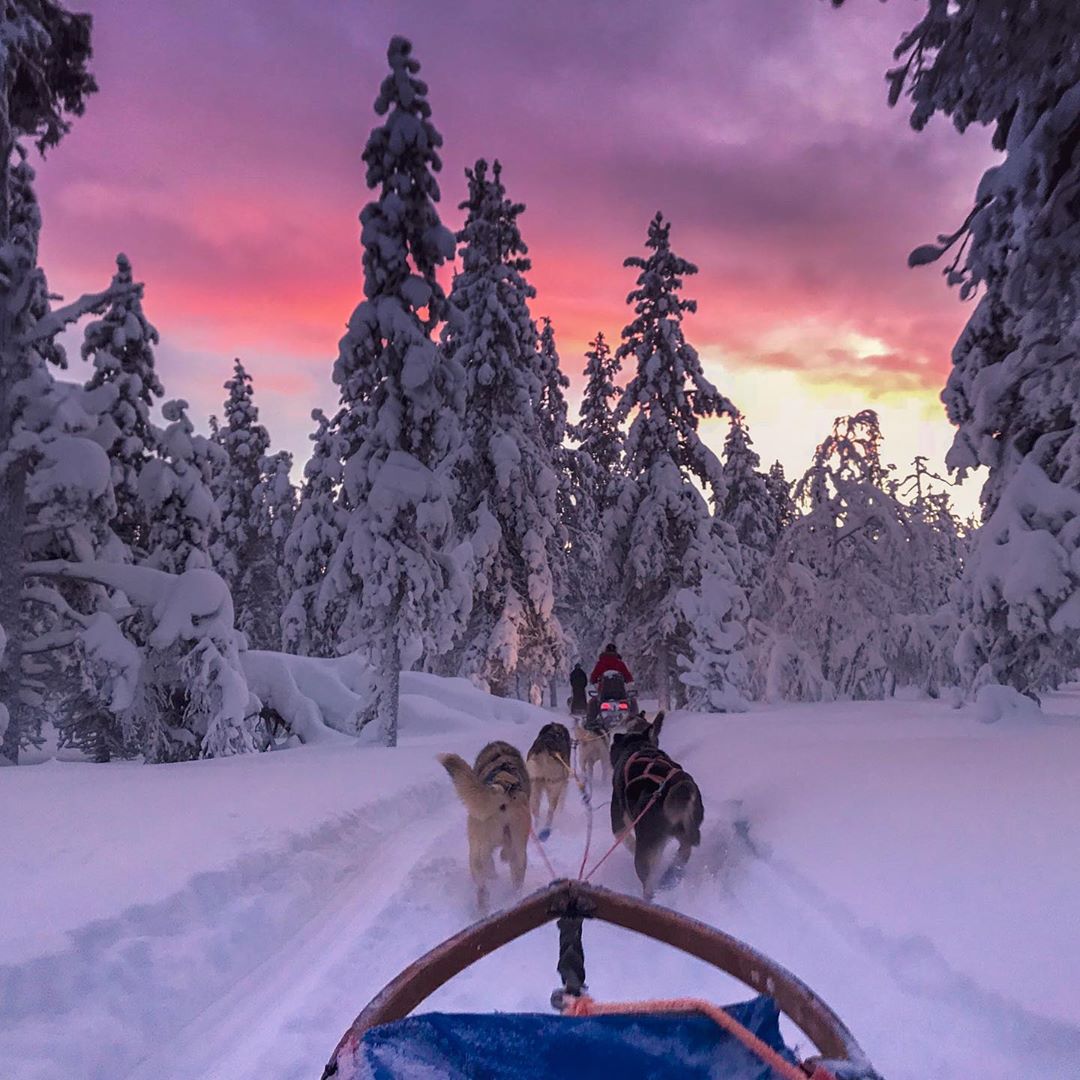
572	909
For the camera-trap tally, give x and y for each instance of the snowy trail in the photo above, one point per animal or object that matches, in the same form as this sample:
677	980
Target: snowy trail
343	867
287	1015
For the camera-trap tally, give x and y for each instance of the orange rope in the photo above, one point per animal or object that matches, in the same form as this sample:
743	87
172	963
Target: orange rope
585	1006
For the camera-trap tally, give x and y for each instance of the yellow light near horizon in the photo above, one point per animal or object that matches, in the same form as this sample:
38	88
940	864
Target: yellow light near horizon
789	414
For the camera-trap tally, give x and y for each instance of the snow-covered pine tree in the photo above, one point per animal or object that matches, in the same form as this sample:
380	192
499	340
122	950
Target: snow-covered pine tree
554	383
922	650
404	595
1013	392
508	501
276	501
311	610
44	50
243	551
569	498
174	489
40	87
591	572
780	494
597	431
678	596
174	679
121	347
748	505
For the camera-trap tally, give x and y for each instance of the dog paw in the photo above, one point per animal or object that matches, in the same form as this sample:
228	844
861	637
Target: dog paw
543	835
671	877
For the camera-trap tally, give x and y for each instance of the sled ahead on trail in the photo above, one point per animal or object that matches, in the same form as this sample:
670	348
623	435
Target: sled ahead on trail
655	1039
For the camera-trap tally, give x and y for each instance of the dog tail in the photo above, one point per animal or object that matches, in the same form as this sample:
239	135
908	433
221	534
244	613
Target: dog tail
683	810
470	791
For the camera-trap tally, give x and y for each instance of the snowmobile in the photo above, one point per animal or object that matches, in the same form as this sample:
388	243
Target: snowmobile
611	703
657	1039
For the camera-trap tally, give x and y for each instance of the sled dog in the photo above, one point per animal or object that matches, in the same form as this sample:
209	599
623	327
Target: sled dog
594	748
648	783
495	792
548	765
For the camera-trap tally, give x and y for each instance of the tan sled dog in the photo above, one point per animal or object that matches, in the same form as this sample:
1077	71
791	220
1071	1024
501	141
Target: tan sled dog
593	748
495	792
548	762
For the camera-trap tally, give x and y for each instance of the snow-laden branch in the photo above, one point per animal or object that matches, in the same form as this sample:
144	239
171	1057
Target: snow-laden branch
59	639
88	304
42	594
194	604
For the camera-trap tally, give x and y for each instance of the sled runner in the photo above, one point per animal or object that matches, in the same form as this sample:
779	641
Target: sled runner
655	1039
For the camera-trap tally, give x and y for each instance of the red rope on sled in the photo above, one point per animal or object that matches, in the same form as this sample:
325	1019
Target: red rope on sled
585	1006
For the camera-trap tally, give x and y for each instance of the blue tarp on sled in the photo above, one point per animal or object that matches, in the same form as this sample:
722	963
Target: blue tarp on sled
534	1046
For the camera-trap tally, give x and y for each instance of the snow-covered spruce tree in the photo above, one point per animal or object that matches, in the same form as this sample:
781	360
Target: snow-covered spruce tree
404	595
174	680
682	606
597	431
174	490
748	505
1014	391
69	507
922	649
121	347
591	572
780	494
570	472
311	609
44	50
243	551
554	383
508	500
276	499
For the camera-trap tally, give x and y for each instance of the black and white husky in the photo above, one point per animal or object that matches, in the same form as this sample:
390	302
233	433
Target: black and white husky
648	788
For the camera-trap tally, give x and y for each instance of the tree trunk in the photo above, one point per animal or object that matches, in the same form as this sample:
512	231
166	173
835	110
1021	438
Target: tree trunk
12	524
12	483
553	692
390	676
663	676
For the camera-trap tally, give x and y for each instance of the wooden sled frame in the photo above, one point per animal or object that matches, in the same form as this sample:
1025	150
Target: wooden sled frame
578	899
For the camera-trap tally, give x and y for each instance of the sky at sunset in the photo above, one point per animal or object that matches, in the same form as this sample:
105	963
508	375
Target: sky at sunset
222	155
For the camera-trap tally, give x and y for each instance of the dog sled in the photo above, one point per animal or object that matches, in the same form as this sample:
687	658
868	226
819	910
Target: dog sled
655	1039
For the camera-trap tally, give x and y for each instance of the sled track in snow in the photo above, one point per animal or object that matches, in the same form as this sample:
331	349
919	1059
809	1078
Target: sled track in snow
190	972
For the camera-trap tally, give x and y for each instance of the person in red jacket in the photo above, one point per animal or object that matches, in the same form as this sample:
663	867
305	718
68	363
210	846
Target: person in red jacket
609	689
610	660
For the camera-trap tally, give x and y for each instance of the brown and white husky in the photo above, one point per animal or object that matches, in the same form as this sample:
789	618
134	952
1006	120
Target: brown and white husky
495	791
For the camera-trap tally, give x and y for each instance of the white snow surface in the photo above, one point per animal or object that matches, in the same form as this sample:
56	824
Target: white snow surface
229	917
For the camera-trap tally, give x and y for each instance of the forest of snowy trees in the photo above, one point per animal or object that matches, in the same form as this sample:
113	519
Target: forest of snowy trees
452	516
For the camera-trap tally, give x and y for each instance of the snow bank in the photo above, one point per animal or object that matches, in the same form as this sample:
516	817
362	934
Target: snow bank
320	700
994	703
431	705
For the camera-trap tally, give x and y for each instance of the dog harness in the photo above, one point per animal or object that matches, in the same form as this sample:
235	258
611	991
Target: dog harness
497	778
658	770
